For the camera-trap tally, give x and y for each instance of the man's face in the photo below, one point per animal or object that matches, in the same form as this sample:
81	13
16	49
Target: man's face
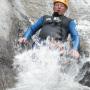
60	8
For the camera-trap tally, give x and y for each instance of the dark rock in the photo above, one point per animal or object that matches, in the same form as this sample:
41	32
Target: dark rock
86	70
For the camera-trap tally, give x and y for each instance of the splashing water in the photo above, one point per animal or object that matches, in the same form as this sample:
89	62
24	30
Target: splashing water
42	68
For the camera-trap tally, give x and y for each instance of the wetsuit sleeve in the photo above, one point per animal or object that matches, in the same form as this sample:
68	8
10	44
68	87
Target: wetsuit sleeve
74	35
32	29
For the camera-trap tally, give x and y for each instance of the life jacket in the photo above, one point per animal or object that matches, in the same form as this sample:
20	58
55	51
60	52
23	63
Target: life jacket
55	27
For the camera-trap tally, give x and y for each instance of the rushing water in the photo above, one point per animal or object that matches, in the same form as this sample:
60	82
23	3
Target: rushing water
42	68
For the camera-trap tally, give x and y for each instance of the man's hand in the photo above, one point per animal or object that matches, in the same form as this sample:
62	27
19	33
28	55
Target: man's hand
74	53
23	40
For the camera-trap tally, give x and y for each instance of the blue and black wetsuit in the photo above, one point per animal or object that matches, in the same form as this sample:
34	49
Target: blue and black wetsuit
58	27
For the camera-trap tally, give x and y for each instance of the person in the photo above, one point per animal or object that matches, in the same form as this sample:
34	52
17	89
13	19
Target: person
57	26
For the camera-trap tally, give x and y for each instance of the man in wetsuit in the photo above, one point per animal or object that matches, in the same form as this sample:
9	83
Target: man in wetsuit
56	26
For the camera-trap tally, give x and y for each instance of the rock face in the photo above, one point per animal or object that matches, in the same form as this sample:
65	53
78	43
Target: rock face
86	79
7	72
33	8
5	18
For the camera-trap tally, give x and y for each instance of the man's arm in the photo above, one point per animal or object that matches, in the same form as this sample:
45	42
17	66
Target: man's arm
32	29
74	35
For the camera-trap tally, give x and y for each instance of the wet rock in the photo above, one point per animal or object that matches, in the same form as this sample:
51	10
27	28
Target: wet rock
85	74
7	77
7	72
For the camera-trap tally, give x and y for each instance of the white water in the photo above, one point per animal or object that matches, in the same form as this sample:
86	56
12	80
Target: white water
43	69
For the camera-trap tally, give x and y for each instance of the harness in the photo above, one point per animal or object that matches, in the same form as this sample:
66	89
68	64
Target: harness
55	27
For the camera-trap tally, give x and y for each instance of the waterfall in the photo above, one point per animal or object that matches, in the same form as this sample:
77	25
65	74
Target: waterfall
42	68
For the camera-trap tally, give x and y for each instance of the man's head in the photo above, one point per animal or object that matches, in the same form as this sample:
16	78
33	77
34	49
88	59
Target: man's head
60	6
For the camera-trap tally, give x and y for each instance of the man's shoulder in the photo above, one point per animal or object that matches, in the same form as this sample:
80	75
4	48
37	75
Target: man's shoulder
71	20
47	18
67	18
